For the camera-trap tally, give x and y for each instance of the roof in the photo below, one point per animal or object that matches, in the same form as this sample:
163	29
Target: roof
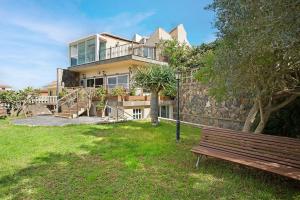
5	86
51	85
117	37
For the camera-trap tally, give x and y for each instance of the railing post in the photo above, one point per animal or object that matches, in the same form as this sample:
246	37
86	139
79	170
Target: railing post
117	112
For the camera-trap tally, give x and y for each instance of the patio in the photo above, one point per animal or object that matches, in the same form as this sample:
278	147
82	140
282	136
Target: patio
49	120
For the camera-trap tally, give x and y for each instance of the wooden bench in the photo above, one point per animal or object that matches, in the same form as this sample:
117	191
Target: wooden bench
280	155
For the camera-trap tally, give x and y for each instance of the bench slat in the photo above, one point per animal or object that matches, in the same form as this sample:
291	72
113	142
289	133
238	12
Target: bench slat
271	144
255	146
263	165
254	155
264	137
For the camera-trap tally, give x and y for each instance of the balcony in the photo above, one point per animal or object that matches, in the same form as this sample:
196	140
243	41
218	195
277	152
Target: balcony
129	49
138	50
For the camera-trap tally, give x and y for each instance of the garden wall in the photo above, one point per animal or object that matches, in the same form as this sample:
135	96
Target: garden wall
197	106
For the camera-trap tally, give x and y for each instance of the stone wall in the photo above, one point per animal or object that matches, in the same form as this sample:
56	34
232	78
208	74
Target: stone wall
197	106
70	78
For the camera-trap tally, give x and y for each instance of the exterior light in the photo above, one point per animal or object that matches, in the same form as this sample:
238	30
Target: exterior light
177	75
178	114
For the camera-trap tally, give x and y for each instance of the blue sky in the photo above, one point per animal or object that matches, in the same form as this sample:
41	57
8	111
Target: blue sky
34	34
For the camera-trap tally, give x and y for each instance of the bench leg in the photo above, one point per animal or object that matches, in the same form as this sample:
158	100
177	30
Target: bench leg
198	161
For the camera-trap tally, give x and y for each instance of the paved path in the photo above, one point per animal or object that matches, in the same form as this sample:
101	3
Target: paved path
48	120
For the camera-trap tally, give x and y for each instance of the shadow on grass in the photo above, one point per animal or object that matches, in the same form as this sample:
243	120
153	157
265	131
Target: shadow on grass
136	161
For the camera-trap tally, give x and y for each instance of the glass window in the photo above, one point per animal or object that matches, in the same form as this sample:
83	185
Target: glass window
73	55
90	50
98	82
102	50
112	82
90	82
123	81
81	53
164	111
137	113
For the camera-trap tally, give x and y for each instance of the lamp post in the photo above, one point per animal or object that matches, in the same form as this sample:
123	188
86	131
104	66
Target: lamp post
177	120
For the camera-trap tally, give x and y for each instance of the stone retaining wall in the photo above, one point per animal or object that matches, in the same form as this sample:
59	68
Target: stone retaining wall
197	106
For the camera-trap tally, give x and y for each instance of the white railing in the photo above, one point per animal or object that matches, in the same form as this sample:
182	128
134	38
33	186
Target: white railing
49	100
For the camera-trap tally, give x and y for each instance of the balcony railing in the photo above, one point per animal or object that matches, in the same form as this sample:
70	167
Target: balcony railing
129	49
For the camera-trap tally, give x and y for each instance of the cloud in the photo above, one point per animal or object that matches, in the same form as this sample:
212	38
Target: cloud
34	40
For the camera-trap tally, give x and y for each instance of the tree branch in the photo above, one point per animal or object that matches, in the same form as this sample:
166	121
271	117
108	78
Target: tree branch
284	103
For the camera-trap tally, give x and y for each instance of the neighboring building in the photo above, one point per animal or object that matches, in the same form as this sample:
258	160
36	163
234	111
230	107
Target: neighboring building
43	92
107	60
5	87
51	88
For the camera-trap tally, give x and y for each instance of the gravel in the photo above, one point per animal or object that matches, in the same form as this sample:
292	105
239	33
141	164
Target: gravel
48	120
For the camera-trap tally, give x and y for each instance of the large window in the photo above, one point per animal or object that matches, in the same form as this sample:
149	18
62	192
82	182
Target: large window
164	111
90	82
137	113
90	50
98	82
117	81
81	53
73	55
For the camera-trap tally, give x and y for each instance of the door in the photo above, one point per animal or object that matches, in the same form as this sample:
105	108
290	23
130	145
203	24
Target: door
99	82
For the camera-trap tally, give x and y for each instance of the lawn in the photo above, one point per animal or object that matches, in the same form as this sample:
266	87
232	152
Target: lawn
130	160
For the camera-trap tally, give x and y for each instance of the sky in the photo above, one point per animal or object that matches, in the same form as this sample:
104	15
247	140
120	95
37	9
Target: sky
34	34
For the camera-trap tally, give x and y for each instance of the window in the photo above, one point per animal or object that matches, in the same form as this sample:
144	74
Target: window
148	52
73	55
114	81
111	82
123	81
137	113
90	50
98	82
81	53
90	82
102	50
164	111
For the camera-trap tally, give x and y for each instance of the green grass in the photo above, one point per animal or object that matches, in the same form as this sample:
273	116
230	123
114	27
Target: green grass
130	160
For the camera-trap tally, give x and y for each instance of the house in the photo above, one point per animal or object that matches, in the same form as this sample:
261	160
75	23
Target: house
5	87
51	88
107	60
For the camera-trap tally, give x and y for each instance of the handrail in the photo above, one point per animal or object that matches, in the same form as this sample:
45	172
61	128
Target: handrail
68	95
122	115
127	49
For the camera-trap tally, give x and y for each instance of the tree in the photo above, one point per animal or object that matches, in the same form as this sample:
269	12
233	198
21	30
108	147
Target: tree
177	54
258	55
18	100
154	78
89	93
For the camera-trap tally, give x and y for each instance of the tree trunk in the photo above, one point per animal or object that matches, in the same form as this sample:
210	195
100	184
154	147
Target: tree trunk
250	118
263	121
267	111
88	108
154	108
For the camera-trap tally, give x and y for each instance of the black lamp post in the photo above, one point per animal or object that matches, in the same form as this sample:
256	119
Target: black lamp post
177	120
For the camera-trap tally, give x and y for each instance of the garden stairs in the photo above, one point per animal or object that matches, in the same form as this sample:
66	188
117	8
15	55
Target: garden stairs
72	105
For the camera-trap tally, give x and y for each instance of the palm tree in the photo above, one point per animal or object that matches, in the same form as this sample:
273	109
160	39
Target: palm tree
154	78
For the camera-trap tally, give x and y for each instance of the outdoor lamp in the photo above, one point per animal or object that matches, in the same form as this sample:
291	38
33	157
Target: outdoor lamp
177	75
